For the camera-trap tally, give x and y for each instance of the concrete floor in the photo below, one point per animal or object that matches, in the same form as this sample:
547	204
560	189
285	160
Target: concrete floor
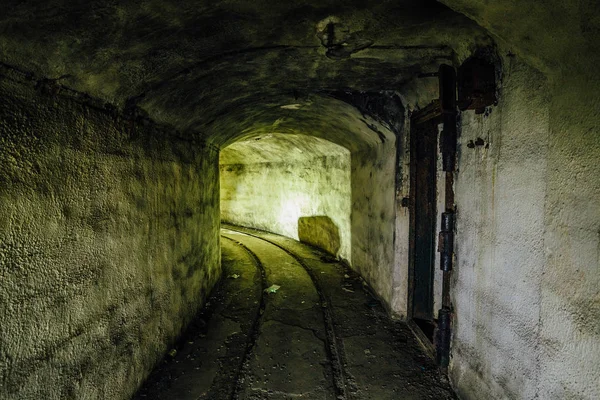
320	335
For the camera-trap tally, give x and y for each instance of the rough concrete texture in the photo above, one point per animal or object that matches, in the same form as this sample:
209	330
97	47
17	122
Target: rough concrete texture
273	182
526	291
108	245
207	68
570	284
380	179
320	231
569	48
285	353
373	217
207	360
399	303
225	71
552	206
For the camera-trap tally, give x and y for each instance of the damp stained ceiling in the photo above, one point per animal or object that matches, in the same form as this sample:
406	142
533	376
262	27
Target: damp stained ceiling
279	148
218	71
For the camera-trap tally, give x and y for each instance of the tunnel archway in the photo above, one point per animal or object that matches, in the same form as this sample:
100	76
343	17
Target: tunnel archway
330	128
112	117
294	185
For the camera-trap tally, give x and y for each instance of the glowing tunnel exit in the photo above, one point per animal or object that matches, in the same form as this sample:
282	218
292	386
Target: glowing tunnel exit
294	185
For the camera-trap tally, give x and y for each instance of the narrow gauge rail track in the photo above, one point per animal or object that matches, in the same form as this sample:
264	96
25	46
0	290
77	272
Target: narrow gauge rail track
334	347
255	329
293	327
322	335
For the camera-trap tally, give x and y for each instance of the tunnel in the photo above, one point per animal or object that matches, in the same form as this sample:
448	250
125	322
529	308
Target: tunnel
321	200
313	203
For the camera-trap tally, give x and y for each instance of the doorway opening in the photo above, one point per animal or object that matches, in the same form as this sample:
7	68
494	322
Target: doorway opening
425	168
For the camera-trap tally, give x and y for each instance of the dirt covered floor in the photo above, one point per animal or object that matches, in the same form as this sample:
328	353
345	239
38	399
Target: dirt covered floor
287	321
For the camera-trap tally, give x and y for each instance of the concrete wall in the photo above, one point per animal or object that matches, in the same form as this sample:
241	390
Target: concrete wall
399	303
569	342
526	284
373	218
109	244
274	195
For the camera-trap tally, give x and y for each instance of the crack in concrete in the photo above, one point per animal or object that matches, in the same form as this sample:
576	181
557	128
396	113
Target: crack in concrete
314	331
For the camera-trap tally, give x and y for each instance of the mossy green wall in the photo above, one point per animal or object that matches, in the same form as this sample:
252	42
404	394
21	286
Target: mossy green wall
109	244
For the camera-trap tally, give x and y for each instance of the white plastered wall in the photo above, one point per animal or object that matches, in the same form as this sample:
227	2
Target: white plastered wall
526	282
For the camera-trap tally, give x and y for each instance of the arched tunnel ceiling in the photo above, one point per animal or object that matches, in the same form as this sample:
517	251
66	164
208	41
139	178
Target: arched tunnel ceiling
278	147
556	36
221	69
315	115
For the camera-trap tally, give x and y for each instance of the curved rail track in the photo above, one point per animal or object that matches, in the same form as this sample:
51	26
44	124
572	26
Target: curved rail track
333	345
287	321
